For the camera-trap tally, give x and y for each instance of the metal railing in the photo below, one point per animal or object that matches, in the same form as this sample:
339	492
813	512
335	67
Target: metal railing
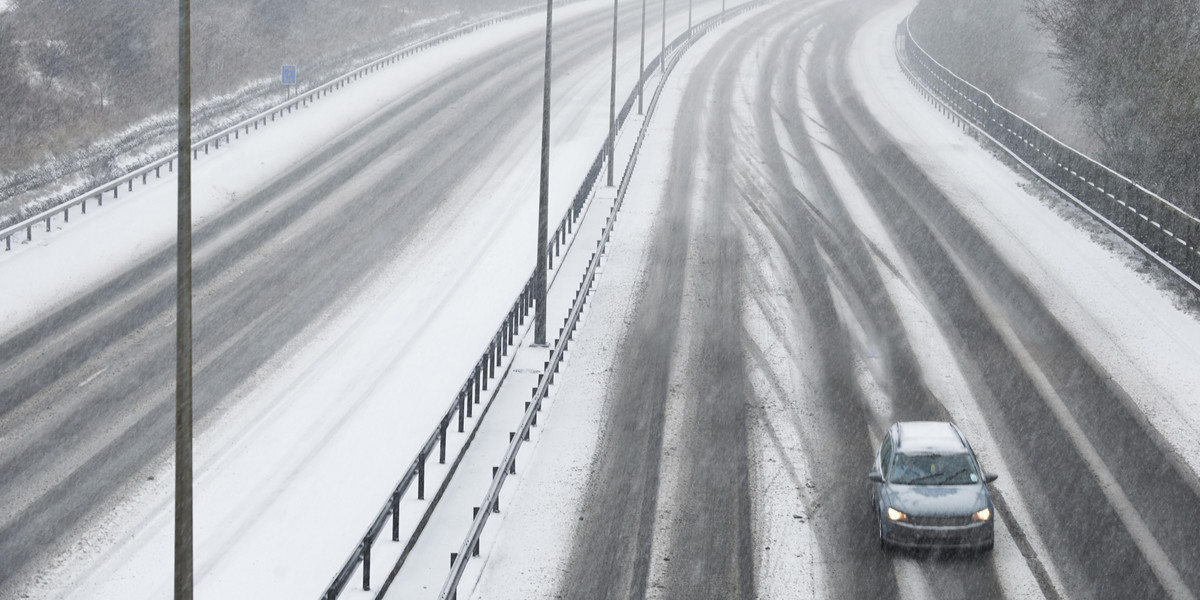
462	408
1160	229
113	188
491	500
469	394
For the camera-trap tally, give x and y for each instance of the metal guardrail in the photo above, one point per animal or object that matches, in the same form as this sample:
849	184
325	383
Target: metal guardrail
491	500
469	393
1160	229
213	142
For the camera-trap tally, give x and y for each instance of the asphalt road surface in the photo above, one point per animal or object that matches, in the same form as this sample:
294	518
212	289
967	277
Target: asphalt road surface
86	393
669	508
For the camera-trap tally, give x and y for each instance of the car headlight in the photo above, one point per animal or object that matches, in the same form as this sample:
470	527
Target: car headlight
982	515
896	515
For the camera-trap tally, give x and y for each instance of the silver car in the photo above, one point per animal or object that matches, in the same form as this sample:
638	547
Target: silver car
928	490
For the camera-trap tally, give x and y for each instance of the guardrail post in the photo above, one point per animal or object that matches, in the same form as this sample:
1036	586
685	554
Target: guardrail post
481	367
470	394
366	560
512	467
496	502
478	381
442	442
453	559
475	546
396	516
462	405
512	323
421	476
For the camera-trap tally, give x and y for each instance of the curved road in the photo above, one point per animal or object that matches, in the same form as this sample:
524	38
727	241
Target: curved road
671	506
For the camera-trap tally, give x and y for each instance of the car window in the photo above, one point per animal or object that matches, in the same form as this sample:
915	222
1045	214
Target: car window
934	469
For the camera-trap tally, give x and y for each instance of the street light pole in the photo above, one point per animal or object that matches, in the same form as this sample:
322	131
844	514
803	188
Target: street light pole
662	54
183	320
539	323
612	101
642	61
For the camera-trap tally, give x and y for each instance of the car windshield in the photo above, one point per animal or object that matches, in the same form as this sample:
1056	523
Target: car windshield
934	469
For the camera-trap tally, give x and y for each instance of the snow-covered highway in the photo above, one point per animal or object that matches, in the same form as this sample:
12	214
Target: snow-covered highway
881	265
808	252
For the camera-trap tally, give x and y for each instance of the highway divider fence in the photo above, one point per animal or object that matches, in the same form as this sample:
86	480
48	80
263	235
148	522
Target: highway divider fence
1159	228
461	408
491	501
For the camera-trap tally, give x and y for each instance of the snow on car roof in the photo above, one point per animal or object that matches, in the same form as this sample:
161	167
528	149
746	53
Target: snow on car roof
918	436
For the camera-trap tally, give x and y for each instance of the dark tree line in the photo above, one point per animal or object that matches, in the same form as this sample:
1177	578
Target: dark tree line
996	45
1135	67
74	72
968	36
1128	73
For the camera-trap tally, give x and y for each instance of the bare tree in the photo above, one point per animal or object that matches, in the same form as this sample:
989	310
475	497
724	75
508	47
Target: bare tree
1135	67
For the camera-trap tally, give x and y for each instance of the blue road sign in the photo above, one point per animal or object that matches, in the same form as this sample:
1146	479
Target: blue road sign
289	74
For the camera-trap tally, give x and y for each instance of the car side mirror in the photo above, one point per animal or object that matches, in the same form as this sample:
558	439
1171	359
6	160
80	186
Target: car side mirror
990	477
875	476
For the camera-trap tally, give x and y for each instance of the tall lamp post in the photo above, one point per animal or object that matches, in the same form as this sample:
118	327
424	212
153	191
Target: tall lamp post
612	100
183	320
539	326
642	61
